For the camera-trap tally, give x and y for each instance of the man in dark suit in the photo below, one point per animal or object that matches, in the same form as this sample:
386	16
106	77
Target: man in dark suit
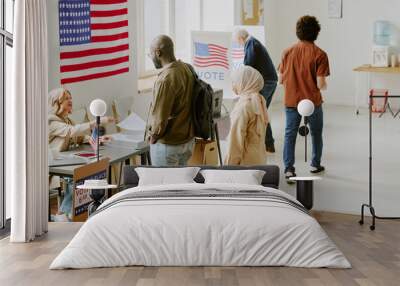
256	56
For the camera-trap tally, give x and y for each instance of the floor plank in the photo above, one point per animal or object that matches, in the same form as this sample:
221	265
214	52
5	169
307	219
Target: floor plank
375	257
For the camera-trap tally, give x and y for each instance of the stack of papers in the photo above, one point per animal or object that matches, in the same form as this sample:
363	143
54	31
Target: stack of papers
66	160
127	140
132	134
132	123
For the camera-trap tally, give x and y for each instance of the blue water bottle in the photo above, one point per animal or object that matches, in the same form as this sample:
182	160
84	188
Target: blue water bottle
382	33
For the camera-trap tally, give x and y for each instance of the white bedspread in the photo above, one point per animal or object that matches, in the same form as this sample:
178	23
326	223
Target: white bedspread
200	231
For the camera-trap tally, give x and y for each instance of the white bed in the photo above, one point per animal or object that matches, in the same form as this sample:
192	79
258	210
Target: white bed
201	231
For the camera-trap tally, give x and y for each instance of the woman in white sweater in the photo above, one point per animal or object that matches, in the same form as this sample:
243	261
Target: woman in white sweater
249	119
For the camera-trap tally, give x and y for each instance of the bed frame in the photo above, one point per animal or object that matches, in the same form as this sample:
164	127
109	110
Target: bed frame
270	179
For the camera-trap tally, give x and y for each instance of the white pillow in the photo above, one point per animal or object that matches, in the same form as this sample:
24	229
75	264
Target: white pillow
247	177
166	176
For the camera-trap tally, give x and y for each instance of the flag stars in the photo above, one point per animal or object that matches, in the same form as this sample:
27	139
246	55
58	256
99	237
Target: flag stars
74	22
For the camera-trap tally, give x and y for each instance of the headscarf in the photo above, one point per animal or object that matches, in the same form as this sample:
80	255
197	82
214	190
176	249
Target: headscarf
247	82
54	99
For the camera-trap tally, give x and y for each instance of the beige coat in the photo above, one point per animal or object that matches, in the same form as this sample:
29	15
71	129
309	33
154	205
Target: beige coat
63	132
249	119
246	141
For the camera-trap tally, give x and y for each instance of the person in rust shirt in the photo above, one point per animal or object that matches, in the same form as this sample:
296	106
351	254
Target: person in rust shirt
303	73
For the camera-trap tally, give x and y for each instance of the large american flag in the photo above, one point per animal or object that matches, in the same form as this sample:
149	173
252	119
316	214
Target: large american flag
209	55
94	39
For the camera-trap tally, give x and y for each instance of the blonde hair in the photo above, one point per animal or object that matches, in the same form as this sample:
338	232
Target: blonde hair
56	98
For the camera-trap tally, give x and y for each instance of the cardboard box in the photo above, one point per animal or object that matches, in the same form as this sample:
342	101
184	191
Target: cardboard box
205	152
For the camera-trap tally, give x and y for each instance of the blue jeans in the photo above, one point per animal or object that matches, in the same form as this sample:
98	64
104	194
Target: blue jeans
66	204
267	92
293	120
171	155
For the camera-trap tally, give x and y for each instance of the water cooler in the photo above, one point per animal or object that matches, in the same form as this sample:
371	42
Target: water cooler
382	50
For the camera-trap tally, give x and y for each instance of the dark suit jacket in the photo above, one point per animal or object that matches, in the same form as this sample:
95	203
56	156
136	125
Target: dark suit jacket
256	56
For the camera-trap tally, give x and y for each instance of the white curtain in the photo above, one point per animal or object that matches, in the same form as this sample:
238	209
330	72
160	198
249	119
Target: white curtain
26	124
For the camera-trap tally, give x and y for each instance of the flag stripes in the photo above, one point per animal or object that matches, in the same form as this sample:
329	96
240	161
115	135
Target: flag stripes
94	76
208	55
110	13
94	39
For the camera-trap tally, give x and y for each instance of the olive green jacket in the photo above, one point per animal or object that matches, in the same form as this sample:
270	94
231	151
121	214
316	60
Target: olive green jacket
170	116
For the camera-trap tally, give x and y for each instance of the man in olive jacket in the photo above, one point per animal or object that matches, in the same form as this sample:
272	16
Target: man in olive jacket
171	130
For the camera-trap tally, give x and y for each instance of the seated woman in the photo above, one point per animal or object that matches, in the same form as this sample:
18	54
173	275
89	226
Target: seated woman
62	130
62	134
249	120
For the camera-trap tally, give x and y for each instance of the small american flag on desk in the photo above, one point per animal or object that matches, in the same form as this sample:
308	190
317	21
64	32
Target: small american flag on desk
94	39
210	55
93	139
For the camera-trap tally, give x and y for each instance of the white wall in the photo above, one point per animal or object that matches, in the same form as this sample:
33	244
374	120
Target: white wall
109	88
347	41
218	15
272	33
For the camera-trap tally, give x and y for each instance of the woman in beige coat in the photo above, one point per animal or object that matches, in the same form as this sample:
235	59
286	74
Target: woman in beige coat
63	132
249	120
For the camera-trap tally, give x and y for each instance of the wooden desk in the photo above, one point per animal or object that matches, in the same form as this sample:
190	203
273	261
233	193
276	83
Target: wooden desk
116	155
368	69
371	69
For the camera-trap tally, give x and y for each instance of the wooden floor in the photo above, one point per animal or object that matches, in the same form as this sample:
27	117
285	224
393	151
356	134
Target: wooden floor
375	257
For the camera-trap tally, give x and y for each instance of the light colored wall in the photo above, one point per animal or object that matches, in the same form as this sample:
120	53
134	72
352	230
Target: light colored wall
348	41
218	15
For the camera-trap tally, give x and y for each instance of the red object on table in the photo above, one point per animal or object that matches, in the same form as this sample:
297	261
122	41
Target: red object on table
379	104
86	154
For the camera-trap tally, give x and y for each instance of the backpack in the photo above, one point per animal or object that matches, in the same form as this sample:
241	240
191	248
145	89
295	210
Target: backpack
202	107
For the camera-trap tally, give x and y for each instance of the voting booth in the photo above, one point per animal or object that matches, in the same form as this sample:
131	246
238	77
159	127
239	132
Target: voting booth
211	58
215	56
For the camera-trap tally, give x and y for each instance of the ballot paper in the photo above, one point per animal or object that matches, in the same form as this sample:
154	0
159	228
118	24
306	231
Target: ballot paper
65	160
127	139
131	135
133	123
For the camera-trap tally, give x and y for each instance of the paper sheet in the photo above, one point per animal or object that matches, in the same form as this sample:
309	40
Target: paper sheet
133	123
335	8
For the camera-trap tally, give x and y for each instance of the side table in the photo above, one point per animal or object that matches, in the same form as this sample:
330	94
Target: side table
305	190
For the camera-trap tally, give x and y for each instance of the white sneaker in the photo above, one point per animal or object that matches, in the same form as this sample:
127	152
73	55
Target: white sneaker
59	218
316	170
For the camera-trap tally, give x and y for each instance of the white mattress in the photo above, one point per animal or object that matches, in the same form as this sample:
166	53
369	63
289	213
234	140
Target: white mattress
200	232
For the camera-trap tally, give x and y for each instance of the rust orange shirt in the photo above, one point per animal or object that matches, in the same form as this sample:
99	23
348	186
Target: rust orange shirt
301	65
